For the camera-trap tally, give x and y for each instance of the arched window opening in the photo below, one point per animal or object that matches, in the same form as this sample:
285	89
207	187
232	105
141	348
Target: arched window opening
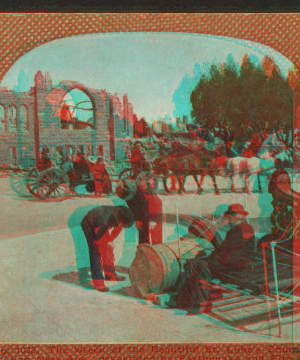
68	110
12	123
77	111
24	117
2	118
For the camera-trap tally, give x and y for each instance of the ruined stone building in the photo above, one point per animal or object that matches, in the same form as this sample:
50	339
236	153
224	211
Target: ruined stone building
68	115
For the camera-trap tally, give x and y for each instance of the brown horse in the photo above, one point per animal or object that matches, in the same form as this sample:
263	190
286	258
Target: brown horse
219	166
183	164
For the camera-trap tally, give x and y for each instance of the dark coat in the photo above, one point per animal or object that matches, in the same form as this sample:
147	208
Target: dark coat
193	287
232	251
147	207
95	226
100	219
139	206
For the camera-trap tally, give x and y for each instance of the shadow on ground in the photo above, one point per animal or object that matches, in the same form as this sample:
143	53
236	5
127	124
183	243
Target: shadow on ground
233	310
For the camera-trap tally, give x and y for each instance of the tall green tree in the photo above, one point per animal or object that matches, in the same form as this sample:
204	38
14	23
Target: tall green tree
247	97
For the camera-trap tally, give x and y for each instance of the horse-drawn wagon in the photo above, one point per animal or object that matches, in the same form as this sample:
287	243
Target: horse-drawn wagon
144	156
48	179
174	160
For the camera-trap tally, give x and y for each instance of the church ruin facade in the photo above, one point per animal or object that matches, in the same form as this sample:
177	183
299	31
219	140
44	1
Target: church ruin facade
68	115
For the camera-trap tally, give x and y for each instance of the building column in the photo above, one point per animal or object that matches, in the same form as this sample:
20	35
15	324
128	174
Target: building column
19	130
6	117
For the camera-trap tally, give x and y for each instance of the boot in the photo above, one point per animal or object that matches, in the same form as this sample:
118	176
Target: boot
100	286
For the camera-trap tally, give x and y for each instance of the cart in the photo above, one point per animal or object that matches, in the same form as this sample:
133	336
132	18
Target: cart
43	182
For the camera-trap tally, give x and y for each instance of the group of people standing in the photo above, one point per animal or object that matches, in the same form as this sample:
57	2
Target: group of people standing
239	141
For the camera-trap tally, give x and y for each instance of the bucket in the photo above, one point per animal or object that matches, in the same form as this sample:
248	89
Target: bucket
156	268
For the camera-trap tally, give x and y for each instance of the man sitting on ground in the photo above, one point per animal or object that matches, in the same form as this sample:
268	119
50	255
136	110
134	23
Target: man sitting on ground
194	288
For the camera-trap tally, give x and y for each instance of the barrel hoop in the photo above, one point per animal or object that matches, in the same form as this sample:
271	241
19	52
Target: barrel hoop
161	262
164	284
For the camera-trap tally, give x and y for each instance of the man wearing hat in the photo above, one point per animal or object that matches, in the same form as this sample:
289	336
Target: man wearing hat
146	209
137	202
228	256
96	225
137	159
80	164
231	252
100	175
45	160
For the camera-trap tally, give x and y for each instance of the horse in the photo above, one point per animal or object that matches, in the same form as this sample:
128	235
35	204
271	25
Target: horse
263	165
219	166
215	160
184	163
206	160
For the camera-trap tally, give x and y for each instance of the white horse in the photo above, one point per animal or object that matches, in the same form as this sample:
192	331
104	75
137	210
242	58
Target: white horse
264	164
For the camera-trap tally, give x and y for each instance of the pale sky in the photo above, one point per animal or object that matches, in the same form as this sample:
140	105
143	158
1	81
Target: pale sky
146	66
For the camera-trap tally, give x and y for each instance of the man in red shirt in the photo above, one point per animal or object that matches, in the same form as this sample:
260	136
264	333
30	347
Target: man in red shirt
101	177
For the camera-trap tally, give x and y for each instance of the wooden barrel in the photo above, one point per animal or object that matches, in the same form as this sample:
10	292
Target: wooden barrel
156	268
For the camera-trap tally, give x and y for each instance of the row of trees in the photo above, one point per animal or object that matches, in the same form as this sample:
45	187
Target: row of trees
249	98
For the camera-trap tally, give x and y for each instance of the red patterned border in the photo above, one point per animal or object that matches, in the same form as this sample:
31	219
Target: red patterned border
20	33
149	352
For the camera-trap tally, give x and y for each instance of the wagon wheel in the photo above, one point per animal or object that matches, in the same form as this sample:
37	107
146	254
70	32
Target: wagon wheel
171	184
37	185
126	174
57	181
152	183
18	182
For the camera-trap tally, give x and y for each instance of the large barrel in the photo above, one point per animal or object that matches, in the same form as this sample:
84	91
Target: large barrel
156	268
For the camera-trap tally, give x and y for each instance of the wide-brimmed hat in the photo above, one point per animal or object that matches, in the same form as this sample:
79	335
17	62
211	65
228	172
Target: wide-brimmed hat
94	159
126	189
235	209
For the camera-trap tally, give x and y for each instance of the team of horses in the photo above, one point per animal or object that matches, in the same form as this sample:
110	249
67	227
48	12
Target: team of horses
205	159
